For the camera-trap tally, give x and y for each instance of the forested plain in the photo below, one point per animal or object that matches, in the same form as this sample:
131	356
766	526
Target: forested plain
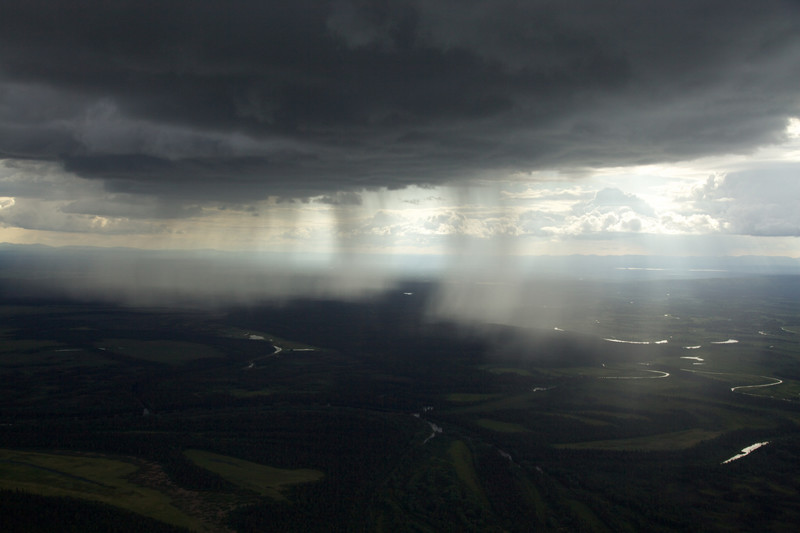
616	412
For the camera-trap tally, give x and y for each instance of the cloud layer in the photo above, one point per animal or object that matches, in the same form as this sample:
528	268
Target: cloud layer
195	102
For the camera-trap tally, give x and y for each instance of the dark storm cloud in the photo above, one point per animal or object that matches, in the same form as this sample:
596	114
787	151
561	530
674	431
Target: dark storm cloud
240	100
341	198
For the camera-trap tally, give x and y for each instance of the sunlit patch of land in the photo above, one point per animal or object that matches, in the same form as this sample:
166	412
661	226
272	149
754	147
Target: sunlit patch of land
587	420
89	477
677	440
261	479
503	427
464	465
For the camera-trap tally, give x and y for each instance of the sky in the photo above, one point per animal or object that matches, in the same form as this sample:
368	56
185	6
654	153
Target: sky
440	128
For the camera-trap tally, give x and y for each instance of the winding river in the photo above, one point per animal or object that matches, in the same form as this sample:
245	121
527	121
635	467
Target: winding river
661	374
745	451
776	381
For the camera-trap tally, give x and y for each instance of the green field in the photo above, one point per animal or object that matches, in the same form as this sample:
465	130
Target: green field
677	440
503	427
464	465
463	397
88	477
261	479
